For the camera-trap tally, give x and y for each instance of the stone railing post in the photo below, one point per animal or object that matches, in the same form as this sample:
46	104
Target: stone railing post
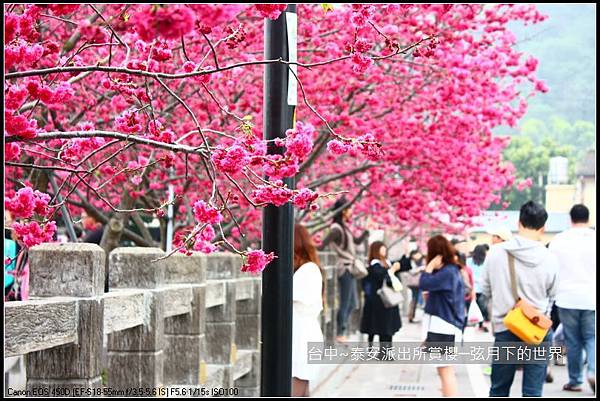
185	340
135	355
69	270
248	324
220	320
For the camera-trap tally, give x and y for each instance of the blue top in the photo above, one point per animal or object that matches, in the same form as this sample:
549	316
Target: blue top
10	251
477	272
446	298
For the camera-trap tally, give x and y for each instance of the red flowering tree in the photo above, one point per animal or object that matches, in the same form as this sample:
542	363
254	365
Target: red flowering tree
397	104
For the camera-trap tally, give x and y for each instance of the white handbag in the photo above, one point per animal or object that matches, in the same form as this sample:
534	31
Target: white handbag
391	296
358	269
474	315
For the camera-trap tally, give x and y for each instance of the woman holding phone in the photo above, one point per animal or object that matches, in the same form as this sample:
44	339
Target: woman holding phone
445	308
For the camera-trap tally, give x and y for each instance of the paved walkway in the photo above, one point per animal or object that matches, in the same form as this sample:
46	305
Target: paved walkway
403	380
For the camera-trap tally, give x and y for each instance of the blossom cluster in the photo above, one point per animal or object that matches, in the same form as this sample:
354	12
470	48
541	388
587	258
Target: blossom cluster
166	21
522	185
271	11
129	122
27	206
366	144
206	214
257	261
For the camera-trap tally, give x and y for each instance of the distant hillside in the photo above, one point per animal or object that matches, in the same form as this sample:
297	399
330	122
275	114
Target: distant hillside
565	46
562	121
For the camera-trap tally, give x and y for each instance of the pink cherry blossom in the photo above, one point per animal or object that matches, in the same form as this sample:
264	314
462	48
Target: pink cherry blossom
256	261
168	21
129	122
32	233
206	214
12	151
304	198
541	86
361	63
527	183
271	11
268	194
27	202
382	119
338	147
19	125
231	159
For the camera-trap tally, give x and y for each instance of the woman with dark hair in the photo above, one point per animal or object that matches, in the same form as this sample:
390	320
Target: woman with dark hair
445	308
308	301
342	241
376	318
475	262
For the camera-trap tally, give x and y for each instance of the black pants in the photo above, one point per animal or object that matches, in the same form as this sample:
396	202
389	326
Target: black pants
482	302
554	317
383	340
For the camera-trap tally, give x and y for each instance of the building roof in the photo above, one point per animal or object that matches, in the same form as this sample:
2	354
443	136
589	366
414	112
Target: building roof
557	222
587	166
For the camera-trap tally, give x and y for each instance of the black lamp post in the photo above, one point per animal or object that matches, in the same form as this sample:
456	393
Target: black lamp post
278	222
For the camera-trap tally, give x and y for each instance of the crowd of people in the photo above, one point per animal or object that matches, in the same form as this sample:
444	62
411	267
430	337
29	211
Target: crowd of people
551	284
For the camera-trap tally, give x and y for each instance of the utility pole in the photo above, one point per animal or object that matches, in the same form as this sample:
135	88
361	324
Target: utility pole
278	222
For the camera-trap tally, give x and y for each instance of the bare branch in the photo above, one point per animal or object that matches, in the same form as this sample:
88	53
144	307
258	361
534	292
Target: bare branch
45	136
123	70
334	177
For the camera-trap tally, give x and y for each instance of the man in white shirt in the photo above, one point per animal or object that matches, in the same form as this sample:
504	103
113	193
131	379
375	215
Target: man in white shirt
576	296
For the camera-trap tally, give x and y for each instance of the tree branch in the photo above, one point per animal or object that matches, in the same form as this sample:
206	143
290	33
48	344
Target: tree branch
45	136
334	177
142	226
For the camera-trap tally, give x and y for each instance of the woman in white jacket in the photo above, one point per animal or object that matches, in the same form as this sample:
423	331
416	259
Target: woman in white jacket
308	303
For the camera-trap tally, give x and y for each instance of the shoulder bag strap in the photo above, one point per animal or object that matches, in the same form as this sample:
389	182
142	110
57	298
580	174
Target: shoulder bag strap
396	283
340	248
513	276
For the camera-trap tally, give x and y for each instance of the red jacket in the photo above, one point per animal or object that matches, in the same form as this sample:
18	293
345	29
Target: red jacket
469	272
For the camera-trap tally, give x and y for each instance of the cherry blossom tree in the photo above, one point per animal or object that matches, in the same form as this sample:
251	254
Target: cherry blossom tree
397	104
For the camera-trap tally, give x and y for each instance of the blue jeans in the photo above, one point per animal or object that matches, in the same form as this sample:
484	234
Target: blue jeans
348	301
579	330
534	375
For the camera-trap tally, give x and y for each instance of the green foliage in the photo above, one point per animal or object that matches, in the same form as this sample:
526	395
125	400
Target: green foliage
581	135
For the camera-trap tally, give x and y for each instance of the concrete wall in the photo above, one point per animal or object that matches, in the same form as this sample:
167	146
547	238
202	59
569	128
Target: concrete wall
560	198
588	196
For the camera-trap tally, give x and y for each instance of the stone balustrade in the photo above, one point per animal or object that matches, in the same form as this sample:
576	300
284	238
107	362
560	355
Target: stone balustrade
164	323
181	321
